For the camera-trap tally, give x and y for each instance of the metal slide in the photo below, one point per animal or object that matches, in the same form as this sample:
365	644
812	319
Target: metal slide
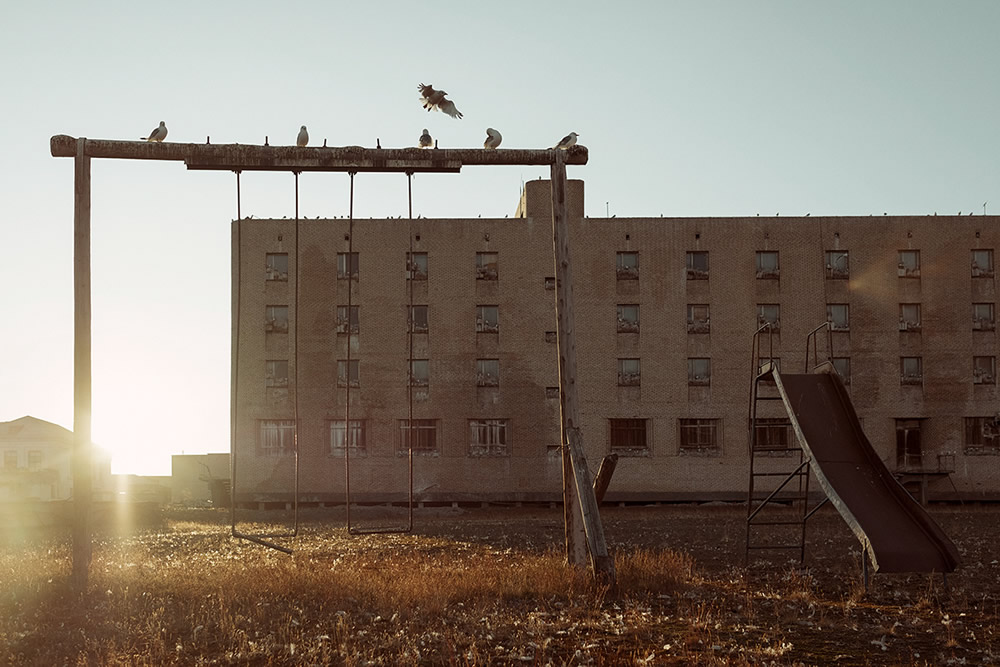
895	531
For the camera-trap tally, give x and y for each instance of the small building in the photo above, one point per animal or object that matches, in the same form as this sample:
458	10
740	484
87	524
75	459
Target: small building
200	479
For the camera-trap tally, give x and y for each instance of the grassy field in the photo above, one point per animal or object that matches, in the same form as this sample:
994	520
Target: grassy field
489	586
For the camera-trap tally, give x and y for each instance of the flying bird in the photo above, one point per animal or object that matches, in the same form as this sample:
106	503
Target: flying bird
158	134
567	141
425	139
435	99
493	138
303	137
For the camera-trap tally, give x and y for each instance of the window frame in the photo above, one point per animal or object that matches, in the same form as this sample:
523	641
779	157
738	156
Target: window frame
832	308
413	324
272	321
629	372
483	324
414	378
984	369
624	270
762	319
846	378
416	266
273	273
696	379
485	375
911	378
688	425
988	441
904	271
977	270
343	263
272	375
487	270
358	437
984	323
284	430
764	272
699	326
341	318
496	443
355	373
424	430
628	436
692	265
909	321
831	260
625	324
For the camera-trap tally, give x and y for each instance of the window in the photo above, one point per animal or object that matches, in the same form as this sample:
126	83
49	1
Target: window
628	318
276	436
422	436
552	392
699	437
838	265
276	264
984	370
357	440
628	436
769	313
276	373
909	317
276	319
417	321
347	265
699	372
419	372
697	265
487	267
342	320
698	319
34	460
843	367
342	372
627	266
772	434
10	459
982	317
982	263
911	370
909	453
839	316
767	265
416	266
488	437
982	436
487	372
551	336
487	319
550	282
628	373
909	264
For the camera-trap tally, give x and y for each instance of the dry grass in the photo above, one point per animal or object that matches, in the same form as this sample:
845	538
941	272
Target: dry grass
480	587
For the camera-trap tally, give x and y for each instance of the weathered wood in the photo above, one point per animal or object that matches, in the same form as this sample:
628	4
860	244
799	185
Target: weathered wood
603	478
82	460
603	563
248	157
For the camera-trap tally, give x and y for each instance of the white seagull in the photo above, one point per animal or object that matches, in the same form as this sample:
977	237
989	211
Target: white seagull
567	141
425	139
158	134
303	137
493	138
435	99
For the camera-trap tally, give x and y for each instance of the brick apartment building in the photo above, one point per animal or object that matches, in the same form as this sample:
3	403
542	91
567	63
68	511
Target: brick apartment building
665	313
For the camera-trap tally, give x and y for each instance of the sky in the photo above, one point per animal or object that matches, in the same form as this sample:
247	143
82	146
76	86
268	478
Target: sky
688	108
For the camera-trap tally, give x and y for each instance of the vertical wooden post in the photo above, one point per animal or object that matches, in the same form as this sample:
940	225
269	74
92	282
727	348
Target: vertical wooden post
82	459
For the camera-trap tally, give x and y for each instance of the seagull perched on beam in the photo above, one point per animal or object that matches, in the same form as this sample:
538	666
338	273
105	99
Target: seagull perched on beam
303	138
493	138
425	139
567	141
158	134
435	99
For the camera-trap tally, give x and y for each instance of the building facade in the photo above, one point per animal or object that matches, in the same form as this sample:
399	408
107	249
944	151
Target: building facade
665	313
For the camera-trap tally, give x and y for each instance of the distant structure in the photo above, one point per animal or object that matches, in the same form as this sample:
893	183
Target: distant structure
200	479
665	311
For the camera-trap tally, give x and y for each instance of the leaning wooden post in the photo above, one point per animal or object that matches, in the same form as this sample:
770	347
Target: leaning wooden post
82	459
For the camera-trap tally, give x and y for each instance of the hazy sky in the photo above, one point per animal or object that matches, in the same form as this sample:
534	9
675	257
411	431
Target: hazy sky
693	108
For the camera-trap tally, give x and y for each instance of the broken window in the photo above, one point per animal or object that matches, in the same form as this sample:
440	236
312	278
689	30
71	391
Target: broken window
417	320
838	265
416	266
276	373
982	436
355	375
982	263
628	436
839	316
984	370
843	367
347	265
773	434
767	264
770	314
356	439
911	370
276	436
487	372
276	319
909	317
550	282
487	319
343	322
697	318
628	373
909	264
697	265
982	317
419	372
276	264
699	372
487	267
627	265
628	318
699	437
422	436
488	437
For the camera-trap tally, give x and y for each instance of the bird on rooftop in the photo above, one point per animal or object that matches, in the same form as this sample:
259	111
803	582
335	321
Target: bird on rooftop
493	138
158	134
303	137
435	99
567	141
425	139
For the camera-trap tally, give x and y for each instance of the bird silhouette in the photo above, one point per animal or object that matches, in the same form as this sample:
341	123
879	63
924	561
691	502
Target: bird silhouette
425	139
